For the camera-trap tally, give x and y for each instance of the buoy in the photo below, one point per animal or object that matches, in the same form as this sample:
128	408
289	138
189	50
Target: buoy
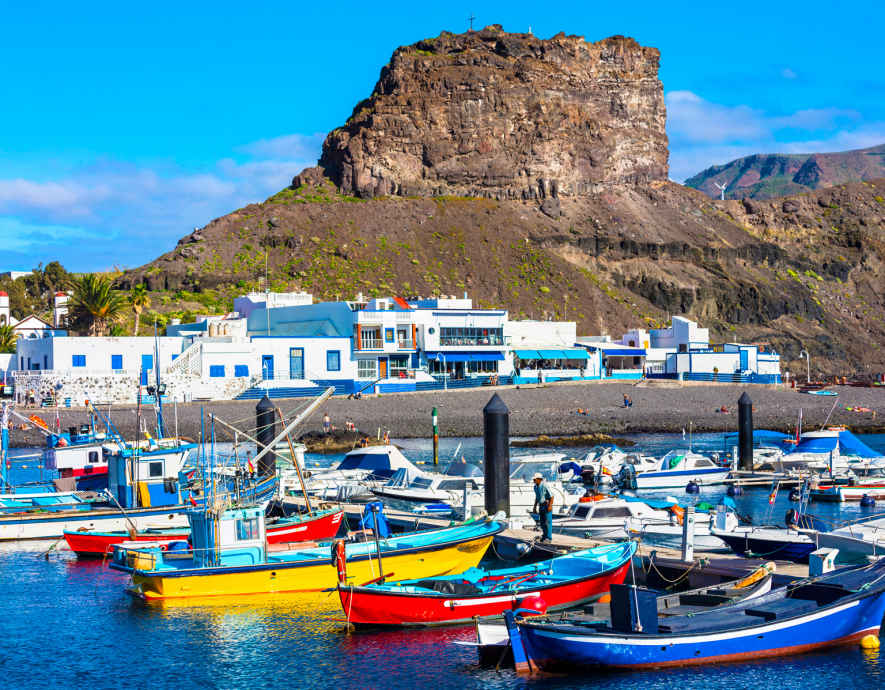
870	642
734	490
605	599
692	488
795	495
533	602
867	501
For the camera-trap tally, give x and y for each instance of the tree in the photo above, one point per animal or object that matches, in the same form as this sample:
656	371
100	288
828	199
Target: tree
8	338
138	300
95	305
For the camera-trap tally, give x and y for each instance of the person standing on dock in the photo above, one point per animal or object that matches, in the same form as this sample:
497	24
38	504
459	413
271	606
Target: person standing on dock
544	506
327	424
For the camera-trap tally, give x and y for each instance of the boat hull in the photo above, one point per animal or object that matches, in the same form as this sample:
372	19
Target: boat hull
670	479
308	576
833	626
362	606
100	544
752	547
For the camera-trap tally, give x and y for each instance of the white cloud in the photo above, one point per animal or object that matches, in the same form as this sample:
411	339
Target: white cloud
150	206
703	133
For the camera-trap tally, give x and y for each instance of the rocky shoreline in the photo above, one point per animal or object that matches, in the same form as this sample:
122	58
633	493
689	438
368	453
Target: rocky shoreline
550	410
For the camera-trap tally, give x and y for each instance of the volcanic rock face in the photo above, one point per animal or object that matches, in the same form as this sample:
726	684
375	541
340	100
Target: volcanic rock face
504	116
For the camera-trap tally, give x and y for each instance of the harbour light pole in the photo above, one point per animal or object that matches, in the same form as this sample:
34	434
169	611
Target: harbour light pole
804	353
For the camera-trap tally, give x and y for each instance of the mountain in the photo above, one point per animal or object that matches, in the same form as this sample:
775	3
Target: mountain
764	176
532	174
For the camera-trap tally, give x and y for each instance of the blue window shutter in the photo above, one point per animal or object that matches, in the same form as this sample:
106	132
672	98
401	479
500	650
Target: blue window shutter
333	360
216	371
116	362
241	370
78	360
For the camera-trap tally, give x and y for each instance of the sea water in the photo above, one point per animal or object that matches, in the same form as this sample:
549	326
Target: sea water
66	623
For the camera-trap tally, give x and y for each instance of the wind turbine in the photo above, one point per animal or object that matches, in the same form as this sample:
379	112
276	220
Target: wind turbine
721	188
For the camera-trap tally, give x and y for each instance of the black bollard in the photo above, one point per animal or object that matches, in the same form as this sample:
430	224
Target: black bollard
745	431
496	431
266	432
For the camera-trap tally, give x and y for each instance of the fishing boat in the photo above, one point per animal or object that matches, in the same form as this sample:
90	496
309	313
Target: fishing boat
783	543
824	611
322	524
569	580
853	491
492	637
229	556
675	470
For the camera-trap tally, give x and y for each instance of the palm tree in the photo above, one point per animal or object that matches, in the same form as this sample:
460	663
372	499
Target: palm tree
8	338
138	300
95	304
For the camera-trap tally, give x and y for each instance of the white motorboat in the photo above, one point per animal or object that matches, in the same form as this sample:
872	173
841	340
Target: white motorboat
619	518
856	539
675	470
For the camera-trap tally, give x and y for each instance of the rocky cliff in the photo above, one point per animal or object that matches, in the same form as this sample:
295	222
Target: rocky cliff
532	174
765	176
504	116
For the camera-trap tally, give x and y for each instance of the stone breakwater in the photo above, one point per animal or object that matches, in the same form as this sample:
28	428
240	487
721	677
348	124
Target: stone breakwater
550	410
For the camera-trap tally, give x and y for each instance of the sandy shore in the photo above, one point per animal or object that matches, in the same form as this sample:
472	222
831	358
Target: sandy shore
550	409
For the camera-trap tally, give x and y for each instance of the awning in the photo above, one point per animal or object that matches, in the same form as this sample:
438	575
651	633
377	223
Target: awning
576	353
624	352
552	354
466	356
527	354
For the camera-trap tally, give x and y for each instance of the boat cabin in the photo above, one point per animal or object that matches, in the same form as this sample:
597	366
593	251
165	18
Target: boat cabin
238	532
147	478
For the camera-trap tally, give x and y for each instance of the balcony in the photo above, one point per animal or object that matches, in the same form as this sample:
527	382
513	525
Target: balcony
471	341
371	344
405	344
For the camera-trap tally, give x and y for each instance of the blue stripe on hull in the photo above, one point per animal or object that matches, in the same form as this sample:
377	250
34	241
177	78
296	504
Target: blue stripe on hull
767	548
554	649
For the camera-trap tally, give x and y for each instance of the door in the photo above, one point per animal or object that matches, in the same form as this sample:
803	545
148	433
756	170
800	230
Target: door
296	362
267	367
147	363
745	363
382	368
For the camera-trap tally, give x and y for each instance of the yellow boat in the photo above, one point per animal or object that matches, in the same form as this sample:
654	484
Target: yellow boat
229	557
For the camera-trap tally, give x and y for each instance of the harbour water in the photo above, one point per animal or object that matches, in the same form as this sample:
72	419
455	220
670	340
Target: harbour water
67	624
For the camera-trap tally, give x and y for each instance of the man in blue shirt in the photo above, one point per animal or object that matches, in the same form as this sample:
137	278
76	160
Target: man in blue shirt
544	506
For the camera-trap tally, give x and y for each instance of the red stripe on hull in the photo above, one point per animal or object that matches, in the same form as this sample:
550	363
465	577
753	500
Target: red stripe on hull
364	606
316	529
88	471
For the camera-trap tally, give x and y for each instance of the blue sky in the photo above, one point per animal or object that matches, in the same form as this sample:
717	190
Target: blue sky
123	127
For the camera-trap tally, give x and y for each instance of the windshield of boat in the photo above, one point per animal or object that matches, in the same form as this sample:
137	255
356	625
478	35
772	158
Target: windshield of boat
524	471
421	482
365	461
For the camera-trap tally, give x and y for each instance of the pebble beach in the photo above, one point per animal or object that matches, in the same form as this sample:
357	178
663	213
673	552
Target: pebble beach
550	410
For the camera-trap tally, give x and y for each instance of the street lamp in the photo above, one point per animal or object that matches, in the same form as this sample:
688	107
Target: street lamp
804	353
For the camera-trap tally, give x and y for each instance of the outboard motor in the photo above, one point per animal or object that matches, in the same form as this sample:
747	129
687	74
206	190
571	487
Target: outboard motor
627	476
588	476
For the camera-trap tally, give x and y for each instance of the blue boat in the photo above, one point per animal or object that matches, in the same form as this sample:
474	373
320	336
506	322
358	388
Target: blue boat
825	611
767	542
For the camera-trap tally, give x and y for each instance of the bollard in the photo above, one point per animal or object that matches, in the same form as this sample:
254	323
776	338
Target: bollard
688	535
466	501
745	431
496	432
266	432
435	421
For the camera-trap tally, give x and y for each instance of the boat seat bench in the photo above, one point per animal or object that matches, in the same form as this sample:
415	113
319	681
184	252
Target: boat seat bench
786	608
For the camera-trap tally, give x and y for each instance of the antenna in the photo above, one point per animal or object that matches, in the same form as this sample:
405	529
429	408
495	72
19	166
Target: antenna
721	188
470	19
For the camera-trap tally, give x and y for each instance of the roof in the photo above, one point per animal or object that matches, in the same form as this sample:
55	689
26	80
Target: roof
23	322
4	294
616	349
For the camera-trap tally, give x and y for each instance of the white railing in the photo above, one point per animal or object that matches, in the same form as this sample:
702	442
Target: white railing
371	344
189	362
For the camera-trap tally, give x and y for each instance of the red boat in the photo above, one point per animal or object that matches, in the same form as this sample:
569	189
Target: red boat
558	583
323	524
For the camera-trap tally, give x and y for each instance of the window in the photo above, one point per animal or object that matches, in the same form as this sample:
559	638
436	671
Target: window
216	371
333	360
116	362
93	456
366	368
399	366
581	511
296	362
45	361
388	335
611	513
155	469
241	370
78	360
247	529
471	336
